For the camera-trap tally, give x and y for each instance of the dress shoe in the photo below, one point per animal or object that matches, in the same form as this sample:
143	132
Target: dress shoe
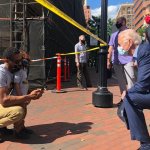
89	86
1	139
4	131
118	104
84	88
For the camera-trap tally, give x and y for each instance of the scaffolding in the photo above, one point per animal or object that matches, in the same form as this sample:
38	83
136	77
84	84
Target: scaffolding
27	25
13	28
17	23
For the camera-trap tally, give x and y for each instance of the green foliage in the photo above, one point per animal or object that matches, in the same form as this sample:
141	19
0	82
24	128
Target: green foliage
109	26
141	31
93	24
95	21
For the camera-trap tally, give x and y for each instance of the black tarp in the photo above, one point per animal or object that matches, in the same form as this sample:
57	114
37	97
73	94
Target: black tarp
45	37
36	42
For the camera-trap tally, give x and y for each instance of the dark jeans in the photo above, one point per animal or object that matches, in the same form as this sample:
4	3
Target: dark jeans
120	74
83	72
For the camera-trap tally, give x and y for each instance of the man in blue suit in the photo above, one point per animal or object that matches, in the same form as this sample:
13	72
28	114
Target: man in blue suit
138	97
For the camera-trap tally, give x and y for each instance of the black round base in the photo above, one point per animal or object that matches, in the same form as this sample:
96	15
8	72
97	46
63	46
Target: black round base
102	99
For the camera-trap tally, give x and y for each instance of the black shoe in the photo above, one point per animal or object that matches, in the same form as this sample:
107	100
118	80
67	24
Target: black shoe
21	135
89	86
84	88
1	139
80	86
118	104
28	131
4	131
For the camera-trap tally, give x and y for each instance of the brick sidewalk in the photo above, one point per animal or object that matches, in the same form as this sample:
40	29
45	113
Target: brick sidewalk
69	121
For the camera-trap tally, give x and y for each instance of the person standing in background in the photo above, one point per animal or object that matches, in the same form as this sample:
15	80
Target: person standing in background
81	63
122	63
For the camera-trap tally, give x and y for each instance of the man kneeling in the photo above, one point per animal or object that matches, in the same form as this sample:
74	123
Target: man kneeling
137	98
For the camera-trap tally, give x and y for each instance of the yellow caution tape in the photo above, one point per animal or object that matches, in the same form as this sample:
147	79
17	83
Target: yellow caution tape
42	59
61	14
92	49
73	53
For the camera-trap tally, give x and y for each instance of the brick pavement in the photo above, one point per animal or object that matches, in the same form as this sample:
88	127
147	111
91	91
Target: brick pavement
69	121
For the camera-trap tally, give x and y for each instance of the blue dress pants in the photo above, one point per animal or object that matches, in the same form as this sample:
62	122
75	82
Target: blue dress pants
134	103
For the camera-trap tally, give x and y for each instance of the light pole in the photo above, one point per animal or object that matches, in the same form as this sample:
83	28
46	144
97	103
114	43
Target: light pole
102	97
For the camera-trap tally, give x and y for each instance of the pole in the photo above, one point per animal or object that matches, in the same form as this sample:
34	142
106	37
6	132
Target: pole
65	69
102	97
58	72
68	67
58	82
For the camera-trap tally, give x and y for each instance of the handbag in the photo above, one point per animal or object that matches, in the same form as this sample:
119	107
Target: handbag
122	114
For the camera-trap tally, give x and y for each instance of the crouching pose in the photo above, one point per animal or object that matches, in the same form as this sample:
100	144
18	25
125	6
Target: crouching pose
12	107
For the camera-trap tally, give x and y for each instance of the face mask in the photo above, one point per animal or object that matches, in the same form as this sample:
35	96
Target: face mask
147	19
121	51
118	25
25	63
143	38
83	41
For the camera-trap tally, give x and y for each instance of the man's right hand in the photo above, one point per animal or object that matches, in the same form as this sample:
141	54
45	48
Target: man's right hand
108	64
36	94
77	64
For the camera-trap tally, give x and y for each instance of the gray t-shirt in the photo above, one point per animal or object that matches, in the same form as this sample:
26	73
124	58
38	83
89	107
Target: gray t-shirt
20	77
6	78
83	55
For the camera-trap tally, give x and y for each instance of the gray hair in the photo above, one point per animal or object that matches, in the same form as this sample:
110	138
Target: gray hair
130	34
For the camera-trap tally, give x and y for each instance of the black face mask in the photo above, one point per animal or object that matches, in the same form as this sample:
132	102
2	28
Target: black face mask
118	25
25	63
83	41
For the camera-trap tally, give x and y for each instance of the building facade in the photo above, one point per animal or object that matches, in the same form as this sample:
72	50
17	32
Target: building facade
126	10
140	9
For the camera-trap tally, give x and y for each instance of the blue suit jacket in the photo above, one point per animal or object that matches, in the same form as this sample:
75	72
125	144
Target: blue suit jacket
143	80
143	60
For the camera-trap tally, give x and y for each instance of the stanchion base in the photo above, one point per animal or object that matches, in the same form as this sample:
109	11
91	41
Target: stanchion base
102	99
58	91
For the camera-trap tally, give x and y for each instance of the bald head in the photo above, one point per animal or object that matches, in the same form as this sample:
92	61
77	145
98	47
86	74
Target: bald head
129	40
130	34
82	39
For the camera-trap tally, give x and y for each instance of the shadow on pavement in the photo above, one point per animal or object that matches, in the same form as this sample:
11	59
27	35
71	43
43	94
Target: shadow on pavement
78	90
47	133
